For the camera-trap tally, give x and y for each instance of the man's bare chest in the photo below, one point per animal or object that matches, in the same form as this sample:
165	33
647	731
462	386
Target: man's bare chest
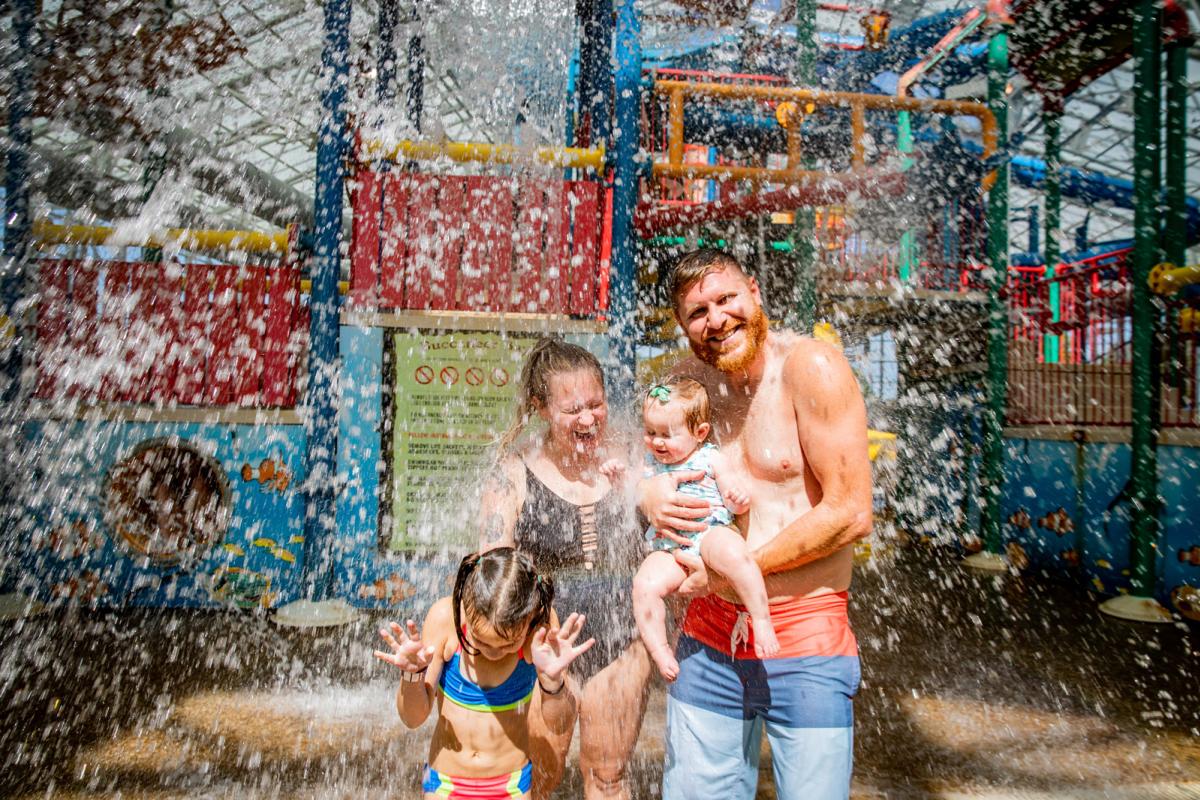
759	437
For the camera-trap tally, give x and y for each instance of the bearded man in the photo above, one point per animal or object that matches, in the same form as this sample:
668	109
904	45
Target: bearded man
790	418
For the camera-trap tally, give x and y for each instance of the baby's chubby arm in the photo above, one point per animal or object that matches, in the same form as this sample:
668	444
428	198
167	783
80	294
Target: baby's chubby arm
732	489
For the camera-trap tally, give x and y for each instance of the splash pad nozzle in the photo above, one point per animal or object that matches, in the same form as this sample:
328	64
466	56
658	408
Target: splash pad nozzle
316	614
1136	609
986	562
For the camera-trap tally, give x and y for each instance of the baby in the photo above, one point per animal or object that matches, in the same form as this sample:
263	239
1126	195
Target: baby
676	416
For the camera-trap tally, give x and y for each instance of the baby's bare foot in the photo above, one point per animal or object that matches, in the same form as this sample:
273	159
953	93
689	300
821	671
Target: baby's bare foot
765	643
664	659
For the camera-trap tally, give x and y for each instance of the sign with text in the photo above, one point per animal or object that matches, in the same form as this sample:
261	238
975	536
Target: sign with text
453	394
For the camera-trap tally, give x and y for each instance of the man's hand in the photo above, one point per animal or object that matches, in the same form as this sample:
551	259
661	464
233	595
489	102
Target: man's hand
670	511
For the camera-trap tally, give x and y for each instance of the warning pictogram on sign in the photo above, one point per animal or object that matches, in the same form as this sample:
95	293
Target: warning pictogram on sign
449	376
474	376
499	376
423	375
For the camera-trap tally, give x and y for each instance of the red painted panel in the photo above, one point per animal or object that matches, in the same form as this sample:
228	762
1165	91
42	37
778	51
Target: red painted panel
222	319
82	330
366	199
585	247
144	346
558	252
193	343
283	294
168	317
487	252
443	290
423	218
247	344
53	309
529	248
111	331
297	346
393	236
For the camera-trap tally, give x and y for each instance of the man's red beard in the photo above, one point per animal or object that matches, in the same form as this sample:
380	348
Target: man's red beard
755	329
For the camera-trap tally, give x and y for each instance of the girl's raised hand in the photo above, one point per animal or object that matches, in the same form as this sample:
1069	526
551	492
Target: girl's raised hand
407	651
554	648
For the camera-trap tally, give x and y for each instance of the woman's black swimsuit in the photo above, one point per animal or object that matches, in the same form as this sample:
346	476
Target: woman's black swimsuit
591	552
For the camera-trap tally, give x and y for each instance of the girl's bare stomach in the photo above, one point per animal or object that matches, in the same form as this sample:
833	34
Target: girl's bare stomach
473	744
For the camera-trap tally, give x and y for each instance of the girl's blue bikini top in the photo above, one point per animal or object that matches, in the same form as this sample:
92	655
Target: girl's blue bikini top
516	691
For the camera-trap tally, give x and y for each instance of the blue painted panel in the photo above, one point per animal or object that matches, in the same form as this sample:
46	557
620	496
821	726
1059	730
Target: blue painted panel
69	550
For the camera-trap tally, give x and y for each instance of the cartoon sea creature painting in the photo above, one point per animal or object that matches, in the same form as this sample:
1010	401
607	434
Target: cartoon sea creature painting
86	587
241	588
1020	519
1187	600
270	474
70	540
1017	556
1070	557
276	549
1190	555
1058	521
392	588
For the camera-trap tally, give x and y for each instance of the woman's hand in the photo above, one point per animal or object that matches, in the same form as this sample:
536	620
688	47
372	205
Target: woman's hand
407	651
669	510
554	648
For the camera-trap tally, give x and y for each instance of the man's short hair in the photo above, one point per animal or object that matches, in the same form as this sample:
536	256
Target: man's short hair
693	266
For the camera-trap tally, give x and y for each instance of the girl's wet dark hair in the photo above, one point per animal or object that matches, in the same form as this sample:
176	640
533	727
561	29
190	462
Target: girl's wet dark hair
503	588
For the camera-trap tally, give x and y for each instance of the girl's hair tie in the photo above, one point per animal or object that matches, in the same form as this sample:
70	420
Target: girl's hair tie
661	393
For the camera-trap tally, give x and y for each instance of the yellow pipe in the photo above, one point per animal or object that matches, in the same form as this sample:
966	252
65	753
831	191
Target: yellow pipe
306	287
45	233
1169	279
486	153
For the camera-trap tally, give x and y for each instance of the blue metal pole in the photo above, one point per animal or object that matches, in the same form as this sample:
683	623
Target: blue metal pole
385	69
600	88
18	226
321	420
416	75
627	178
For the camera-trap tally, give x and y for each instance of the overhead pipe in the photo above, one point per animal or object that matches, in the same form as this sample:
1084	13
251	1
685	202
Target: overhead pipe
482	152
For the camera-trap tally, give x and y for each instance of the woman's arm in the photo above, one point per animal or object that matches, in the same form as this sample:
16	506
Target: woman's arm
503	495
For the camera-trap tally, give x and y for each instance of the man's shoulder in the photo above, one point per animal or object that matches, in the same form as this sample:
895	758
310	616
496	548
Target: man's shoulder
800	355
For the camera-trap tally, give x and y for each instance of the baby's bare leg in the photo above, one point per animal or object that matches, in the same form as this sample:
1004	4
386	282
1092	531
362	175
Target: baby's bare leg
659	576
725	551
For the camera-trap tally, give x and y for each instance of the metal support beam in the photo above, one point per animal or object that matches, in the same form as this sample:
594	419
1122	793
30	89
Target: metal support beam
623	297
385	66
16	200
321	416
415	91
802	311
1143	488
1052	125
1175	241
997	327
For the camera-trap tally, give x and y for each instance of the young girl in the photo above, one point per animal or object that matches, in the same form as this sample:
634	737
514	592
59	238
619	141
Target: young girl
676	416
480	658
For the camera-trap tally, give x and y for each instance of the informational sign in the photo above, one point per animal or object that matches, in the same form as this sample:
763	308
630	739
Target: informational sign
454	393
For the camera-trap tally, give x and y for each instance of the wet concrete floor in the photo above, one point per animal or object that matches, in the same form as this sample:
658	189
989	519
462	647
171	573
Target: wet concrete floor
973	686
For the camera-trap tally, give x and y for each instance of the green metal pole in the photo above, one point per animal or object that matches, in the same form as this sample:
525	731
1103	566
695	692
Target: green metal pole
1143	489
997	245
904	143
804	251
1052	123
1175	243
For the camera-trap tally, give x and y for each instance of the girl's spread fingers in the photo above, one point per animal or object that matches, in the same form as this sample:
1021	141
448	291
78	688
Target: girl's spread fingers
539	637
583	648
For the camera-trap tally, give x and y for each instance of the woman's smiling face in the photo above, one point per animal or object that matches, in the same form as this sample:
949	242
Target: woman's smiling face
575	411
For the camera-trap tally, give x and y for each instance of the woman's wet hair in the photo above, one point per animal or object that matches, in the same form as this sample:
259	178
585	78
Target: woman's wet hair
691	396
502	588
549	357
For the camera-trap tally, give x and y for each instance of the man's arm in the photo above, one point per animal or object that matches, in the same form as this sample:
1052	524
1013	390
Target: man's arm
503	494
831	419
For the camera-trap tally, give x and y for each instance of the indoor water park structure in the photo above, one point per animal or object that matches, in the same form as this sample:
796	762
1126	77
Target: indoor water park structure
270	271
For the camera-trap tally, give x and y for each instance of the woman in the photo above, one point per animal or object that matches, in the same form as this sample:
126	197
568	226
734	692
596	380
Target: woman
548	499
